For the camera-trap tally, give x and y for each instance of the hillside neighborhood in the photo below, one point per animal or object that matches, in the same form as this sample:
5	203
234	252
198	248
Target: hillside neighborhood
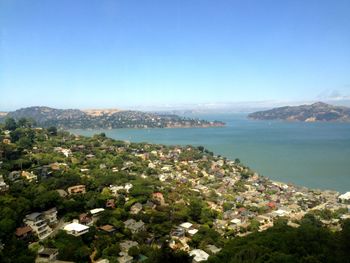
66	197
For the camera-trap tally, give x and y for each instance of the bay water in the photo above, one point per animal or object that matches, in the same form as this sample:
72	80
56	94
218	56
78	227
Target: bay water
315	155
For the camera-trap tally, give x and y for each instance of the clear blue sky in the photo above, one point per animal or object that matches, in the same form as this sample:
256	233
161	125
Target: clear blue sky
114	53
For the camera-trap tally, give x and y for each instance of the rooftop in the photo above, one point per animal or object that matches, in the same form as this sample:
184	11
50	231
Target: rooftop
75	227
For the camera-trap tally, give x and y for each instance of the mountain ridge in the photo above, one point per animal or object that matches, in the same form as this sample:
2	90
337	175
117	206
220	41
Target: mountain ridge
316	112
105	118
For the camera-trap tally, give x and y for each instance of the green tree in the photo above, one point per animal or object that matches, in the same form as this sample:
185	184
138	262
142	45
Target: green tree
195	209
10	124
52	131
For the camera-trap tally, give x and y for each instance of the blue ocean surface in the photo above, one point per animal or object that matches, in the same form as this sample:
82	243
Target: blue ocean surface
315	155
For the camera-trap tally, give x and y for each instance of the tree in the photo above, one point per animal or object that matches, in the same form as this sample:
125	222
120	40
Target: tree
195	209
201	148
52	131
23	123
7	226
10	124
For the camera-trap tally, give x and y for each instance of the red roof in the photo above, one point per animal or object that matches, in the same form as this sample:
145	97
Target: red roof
21	231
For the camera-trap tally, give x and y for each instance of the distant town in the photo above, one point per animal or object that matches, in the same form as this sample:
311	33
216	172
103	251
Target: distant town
105	119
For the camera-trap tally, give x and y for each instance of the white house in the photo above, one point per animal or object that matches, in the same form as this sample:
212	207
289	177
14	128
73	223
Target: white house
96	211
38	223
76	229
199	255
192	231
344	198
186	225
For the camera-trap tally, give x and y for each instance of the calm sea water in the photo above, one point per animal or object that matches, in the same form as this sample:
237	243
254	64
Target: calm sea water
315	155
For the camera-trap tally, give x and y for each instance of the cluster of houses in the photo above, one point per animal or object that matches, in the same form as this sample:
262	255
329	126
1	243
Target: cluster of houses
242	198
253	200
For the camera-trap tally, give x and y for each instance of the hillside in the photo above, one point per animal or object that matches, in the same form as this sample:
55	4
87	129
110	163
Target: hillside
309	113
140	202
105	119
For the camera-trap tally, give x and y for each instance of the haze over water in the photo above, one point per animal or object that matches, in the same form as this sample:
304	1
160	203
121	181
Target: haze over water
315	155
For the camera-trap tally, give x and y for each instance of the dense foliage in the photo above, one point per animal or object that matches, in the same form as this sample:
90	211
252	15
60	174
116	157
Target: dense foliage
310	243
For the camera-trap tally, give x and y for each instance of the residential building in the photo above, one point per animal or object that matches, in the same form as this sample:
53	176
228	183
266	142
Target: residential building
38	223
3	186
108	228
47	255
110	203
14	175
344	198
85	219
134	226
23	232
76	229
136	208
29	176
199	255
77	189
96	212
51	216
158	198
213	249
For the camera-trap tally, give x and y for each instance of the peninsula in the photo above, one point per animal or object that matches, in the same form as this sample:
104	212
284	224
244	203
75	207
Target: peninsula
105	119
317	112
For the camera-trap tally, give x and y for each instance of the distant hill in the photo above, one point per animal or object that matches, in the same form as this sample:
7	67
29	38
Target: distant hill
105	119
318	111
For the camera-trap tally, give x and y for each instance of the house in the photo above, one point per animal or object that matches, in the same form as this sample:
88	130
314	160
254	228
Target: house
29	176
3	186
38	223
23	232
192	231
125	258
108	228
344	198
127	244
76	229
85	219
262	219
178	232
135	209
110	203
124	247
6	141
77	189
47	255
199	255
186	225
127	187
65	152
14	175
134	226
62	193
236	221
158	198
51	216
96	212
57	166
213	249
280	212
